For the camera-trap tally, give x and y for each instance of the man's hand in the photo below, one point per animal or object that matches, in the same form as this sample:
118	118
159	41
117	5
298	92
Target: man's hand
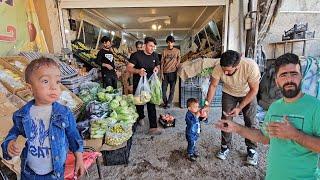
13	149
282	130
227	126
107	66
142	72
79	169
234	112
156	70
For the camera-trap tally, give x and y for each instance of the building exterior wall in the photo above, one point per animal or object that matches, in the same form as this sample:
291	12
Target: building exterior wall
295	12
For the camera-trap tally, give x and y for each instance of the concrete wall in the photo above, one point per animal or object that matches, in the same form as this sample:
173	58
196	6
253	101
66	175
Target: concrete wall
285	20
234	27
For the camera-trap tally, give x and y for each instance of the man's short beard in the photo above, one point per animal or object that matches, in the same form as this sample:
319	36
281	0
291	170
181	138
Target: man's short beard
291	93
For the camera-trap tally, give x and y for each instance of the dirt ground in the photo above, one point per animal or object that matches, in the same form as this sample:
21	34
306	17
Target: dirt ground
164	156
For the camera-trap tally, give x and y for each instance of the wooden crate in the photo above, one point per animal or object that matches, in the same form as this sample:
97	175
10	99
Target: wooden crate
11	60
8	66
23	93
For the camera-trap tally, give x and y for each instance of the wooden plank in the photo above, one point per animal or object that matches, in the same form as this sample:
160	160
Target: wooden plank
294	40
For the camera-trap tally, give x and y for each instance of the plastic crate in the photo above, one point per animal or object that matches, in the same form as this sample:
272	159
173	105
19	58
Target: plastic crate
117	157
192	92
192	82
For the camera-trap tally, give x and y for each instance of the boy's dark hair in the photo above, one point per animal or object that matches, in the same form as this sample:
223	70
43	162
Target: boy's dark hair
150	39
36	64
170	39
105	39
288	58
230	58
138	42
191	101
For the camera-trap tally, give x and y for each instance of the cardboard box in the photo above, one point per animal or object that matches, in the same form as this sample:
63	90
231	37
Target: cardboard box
95	143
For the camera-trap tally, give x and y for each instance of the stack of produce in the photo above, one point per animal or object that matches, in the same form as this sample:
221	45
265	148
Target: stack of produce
112	115
11	78
83	51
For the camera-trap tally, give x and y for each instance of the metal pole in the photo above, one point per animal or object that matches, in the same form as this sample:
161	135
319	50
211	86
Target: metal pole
205	32
98	38
80	28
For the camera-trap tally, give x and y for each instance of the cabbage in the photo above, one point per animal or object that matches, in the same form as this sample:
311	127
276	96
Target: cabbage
118	98
109	89
114	104
114	115
111	121
122	110
123	103
85	96
101	96
130	99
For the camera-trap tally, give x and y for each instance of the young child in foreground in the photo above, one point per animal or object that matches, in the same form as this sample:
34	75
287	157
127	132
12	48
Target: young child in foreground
193	117
49	127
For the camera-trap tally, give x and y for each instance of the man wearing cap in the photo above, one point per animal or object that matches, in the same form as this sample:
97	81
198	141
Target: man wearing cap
170	62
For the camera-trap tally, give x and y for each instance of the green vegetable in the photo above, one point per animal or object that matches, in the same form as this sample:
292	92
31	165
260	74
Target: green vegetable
156	92
114	115
206	72
114	104
85	96
109	89
123	103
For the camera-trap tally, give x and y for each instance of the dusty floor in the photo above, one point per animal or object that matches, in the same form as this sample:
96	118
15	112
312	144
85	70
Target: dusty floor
164	156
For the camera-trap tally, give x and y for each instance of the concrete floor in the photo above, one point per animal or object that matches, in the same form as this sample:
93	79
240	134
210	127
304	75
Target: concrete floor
164	156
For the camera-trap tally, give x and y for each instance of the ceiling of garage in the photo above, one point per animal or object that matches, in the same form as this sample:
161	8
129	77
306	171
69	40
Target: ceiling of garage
180	21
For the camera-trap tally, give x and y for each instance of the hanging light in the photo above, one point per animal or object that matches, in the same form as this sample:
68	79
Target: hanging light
113	33
154	26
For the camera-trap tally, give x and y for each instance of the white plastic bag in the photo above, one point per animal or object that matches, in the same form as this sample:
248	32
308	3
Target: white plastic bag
143	93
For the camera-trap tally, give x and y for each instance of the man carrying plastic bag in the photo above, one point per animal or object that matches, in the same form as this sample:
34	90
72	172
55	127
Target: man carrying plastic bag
145	63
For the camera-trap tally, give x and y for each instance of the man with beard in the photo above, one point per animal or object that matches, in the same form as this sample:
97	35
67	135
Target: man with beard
291	127
240	79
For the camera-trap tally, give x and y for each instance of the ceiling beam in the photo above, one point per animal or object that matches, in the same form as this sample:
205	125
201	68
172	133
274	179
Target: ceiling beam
162	29
206	21
70	4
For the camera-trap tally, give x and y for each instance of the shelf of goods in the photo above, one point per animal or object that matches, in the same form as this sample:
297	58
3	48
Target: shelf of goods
12	77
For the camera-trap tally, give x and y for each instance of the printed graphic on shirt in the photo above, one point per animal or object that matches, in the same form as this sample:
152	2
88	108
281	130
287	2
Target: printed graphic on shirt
39	142
296	120
109	56
170	57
